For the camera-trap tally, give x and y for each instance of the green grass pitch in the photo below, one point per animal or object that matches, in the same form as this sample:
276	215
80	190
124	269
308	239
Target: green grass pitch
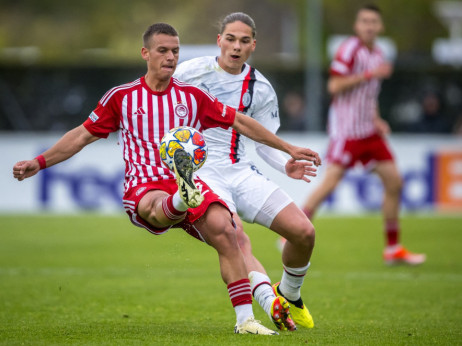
98	280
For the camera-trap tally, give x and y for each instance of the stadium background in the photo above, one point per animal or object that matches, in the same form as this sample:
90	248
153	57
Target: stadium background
57	60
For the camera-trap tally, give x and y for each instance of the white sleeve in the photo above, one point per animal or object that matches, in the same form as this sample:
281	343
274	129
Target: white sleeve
272	156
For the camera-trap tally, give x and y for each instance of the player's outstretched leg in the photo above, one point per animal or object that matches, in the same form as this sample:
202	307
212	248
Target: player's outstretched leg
188	191
300	313
252	326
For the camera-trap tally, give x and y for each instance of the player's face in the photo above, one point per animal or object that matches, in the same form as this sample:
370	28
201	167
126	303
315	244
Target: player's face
162	56
236	44
368	25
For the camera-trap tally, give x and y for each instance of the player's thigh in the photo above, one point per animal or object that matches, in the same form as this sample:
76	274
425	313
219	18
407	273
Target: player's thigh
217	228
251	194
333	174
218	182
292	223
389	174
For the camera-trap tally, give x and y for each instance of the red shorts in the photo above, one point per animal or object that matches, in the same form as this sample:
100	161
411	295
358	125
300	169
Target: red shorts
133	196
367	150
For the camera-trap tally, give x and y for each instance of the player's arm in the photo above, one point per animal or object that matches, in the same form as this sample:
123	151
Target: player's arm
381	125
292	168
70	144
341	83
251	128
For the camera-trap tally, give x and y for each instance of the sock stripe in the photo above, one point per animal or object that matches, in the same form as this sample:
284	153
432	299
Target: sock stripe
240	292
292	274
169	209
261	283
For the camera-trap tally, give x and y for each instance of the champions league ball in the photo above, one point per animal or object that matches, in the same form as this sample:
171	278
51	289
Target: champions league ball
186	138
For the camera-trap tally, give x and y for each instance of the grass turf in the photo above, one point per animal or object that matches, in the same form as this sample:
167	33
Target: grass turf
98	280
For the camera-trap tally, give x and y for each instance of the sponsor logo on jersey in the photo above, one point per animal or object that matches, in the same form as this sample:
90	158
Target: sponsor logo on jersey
139	112
93	117
140	190
223	114
181	110
246	99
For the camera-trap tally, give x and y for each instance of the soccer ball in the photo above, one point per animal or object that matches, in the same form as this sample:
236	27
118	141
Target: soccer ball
186	138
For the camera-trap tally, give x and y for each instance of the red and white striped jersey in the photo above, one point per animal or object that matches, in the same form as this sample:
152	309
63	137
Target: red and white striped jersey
248	92
143	116
351	113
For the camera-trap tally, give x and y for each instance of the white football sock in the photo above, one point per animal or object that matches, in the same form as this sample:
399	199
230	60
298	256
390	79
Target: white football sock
292	281
243	312
178	203
261	290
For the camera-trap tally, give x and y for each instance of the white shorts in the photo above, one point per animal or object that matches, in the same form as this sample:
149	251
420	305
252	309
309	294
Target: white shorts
246	191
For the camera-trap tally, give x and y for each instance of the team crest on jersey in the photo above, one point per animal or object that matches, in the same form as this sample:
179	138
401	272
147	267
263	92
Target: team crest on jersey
181	110
246	99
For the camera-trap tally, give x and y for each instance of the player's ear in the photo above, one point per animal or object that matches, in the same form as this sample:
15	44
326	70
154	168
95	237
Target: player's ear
219	40
254	44
145	53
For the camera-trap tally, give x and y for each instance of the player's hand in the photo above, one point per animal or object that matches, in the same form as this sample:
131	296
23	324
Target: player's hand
300	170
382	71
299	153
25	169
382	127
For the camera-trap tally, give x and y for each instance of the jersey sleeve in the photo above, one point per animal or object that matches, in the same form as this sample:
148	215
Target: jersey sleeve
213	113
104	119
342	64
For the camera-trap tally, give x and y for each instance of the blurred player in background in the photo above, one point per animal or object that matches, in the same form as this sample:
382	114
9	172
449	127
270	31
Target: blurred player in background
356	130
142	111
234	177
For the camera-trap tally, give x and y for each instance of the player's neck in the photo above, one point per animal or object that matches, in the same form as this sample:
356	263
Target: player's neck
156	84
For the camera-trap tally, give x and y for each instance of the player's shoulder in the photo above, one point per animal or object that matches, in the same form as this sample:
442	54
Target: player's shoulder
262	86
191	89
195	65
348	48
120	90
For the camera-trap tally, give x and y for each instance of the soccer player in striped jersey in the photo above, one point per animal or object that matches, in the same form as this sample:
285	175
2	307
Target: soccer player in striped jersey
233	176
141	112
356	130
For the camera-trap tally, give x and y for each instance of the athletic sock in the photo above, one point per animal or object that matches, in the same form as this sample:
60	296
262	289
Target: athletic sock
178	203
261	290
391	232
241	298
172	212
292	281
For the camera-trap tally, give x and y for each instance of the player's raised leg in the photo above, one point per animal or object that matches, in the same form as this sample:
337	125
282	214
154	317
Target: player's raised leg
394	252
184	177
217	229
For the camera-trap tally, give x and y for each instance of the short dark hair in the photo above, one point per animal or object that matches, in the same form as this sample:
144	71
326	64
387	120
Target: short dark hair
238	17
370	7
158	28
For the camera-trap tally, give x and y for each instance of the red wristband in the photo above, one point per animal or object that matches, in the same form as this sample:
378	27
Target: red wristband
41	161
367	75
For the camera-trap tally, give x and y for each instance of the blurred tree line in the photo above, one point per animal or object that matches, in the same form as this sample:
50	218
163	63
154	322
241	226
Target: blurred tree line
109	31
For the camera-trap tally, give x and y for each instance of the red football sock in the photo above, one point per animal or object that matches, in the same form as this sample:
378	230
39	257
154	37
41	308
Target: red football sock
240	292
391	232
